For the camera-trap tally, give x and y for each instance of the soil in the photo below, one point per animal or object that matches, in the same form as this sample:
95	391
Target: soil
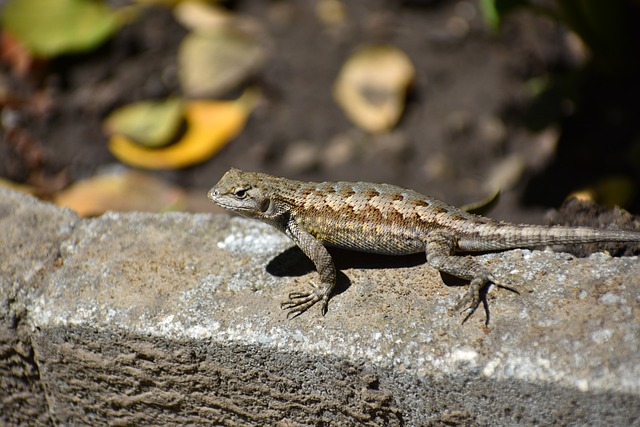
462	133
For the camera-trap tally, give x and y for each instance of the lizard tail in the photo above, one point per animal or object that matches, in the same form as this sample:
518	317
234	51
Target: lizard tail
511	236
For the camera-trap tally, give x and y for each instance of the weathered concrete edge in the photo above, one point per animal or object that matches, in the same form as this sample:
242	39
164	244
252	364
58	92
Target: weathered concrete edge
31	233
295	336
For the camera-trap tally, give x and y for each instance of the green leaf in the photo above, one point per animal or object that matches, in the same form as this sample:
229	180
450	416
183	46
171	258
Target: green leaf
53	27
494	11
482	207
490	14
149	123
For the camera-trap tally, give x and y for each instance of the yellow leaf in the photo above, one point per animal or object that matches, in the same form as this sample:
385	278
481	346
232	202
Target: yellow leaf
210	125
612	190
17	187
128	191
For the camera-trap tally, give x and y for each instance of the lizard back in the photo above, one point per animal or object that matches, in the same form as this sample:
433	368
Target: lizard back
377	218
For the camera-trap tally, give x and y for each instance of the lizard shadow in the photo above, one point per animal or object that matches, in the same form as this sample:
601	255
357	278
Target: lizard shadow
294	263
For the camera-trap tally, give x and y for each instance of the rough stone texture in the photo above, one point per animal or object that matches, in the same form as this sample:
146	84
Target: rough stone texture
141	319
30	235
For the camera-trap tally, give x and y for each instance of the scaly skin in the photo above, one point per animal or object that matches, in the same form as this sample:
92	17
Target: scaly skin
384	219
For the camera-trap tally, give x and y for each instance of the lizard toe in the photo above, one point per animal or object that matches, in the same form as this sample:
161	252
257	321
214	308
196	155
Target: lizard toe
299	302
470	301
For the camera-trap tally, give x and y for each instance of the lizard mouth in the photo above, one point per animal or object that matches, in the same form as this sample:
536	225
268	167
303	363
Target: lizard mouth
214	195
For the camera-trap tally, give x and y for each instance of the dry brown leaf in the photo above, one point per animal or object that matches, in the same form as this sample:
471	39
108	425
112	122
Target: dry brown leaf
16	56
371	87
123	191
211	64
202	17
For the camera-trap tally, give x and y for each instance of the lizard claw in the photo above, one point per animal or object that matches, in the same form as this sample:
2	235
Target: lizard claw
470	300
466	305
299	302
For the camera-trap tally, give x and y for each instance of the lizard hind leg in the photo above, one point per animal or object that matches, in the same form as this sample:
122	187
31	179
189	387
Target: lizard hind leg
440	250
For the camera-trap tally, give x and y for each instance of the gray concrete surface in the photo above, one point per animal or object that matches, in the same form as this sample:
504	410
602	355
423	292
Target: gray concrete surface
174	319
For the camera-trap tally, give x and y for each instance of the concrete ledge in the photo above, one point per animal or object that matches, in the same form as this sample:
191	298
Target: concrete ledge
141	319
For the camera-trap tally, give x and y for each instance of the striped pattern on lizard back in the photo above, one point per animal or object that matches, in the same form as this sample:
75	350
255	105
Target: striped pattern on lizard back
353	215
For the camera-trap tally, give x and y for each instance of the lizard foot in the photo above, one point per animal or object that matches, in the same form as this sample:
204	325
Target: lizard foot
470	301
299	302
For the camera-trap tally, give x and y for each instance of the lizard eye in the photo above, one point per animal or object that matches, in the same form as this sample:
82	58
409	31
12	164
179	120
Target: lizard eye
240	193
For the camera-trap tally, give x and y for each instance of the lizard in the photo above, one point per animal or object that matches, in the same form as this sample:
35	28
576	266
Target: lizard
385	219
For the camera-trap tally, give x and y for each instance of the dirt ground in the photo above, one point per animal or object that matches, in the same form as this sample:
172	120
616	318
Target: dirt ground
462	133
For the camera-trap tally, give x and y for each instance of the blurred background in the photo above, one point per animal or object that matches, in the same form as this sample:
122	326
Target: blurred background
143	105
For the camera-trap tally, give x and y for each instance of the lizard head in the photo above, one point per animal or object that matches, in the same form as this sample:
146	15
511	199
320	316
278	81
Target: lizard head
242	192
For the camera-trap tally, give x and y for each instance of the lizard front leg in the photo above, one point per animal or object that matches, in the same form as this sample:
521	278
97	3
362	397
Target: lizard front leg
299	302
440	248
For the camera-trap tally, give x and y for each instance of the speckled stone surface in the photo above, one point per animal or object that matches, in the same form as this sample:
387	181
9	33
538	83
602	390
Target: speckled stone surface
142	319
